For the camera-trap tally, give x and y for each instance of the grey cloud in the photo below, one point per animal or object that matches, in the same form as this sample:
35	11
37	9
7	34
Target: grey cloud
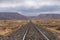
37	11
25	0
11	1
31	11
41	9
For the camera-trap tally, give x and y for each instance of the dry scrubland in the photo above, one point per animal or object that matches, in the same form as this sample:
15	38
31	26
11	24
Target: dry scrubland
8	26
52	25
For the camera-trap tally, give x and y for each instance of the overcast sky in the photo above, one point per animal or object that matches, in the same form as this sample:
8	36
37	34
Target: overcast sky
30	7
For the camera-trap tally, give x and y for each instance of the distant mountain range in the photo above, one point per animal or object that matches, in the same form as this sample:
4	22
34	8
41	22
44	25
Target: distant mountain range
17	16
48	16
12	16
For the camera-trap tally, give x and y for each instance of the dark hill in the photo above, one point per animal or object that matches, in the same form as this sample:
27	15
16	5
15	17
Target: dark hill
49	16
11	15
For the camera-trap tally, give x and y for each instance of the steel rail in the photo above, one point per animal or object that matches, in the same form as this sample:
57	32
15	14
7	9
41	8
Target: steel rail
42	34
25	33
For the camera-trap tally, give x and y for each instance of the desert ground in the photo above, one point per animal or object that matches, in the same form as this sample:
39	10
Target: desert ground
8	26
52	25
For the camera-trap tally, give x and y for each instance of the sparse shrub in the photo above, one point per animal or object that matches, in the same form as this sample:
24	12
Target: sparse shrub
58	28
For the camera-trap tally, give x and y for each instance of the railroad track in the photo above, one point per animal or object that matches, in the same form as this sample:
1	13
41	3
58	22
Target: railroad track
44	34
30	32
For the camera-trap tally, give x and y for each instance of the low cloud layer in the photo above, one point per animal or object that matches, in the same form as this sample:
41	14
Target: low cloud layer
30	7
